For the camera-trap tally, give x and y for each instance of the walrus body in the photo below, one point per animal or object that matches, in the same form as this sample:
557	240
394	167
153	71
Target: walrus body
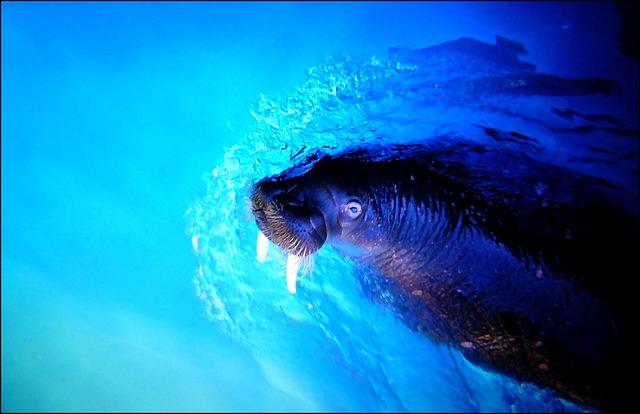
520	265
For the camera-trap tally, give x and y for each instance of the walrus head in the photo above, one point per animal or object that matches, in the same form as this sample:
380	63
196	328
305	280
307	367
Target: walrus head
343	201
327	204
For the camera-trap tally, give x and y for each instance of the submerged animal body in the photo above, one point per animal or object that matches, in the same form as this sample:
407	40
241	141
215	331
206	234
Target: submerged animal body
520	265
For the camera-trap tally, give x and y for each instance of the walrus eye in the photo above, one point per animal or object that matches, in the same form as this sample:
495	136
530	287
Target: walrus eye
353	209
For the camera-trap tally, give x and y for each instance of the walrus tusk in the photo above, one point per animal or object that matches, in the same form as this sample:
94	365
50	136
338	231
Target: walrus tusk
293	264
293	261
261	247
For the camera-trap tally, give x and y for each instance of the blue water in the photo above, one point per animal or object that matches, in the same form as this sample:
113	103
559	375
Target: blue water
130	132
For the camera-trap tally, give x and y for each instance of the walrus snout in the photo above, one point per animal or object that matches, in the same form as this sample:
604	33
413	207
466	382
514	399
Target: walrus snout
284	218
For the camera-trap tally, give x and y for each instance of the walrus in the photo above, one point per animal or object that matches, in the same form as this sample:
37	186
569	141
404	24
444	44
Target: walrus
521	265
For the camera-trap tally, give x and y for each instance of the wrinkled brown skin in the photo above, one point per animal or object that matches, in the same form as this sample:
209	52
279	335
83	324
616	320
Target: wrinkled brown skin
529	286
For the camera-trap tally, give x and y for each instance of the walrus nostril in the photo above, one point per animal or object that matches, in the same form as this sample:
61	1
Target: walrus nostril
269	192
292	199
